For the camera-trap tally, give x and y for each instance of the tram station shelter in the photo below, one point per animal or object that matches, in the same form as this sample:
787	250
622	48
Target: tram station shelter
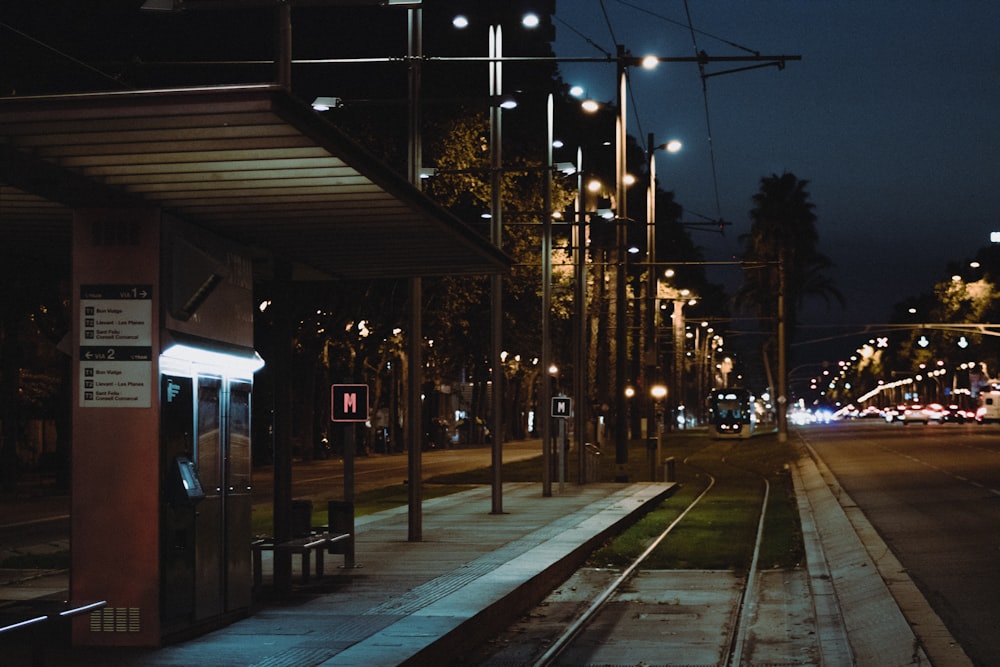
170	204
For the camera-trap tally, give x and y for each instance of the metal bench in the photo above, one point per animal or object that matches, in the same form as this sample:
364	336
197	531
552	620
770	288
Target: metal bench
303	546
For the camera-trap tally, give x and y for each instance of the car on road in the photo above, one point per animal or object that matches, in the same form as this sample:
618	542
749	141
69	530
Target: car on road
957	415
913	414
989	407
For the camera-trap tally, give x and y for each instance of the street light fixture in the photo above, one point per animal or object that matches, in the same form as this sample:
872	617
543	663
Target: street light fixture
327	103
649	62
495	54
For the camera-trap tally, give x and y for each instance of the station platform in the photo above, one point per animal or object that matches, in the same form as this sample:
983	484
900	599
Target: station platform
406	602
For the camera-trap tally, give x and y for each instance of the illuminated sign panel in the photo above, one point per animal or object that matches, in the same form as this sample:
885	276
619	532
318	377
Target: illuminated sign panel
562	406
349	403
116	356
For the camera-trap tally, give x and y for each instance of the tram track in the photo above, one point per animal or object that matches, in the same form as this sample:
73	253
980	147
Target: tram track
654	616
744	607
563	641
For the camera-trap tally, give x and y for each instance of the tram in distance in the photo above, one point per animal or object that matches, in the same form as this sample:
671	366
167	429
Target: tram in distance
737	413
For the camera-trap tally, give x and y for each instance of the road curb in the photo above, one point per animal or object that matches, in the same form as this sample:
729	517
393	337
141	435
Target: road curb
887	620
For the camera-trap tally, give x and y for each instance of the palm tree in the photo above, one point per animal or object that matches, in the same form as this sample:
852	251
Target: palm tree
783	229
782	258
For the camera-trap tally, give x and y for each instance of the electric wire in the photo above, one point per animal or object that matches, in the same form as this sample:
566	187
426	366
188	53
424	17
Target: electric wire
607	23
63	54
708	117
628	79
694	32
582	36
688	25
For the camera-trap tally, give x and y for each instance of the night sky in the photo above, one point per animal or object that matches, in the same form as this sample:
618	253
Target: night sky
891	115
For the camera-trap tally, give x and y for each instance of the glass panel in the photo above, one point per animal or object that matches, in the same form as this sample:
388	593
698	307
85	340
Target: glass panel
209	435
239	438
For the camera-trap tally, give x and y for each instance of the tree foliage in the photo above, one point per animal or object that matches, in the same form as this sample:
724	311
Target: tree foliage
783	232
460	313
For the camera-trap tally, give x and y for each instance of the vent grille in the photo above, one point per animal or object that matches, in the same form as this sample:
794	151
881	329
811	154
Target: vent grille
116	619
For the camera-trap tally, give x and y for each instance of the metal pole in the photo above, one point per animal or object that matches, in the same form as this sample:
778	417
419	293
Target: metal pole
782	356
350	448
415	413
652	356
580	298
621	337
545	395
283	409
496	280
415	370
415	51
562	453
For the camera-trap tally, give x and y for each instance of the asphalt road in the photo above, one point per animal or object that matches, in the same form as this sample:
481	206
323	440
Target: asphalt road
381	470
45	520
933	494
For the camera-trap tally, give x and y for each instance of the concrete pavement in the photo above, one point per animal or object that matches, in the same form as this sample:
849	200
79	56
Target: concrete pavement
474	573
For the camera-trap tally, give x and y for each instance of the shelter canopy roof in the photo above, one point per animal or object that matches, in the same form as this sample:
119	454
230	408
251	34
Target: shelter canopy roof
250	163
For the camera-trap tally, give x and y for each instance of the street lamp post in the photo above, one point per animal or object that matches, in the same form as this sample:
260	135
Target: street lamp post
621	339
580	298
416	352
496	280
495	56
546	388
652	347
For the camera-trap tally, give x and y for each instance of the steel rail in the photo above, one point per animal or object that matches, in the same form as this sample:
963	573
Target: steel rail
574	628
746	605
748	600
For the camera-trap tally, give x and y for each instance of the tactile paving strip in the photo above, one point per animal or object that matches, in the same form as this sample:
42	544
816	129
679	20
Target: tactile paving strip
425	594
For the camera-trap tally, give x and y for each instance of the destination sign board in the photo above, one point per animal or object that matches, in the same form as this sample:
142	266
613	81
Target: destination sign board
116	354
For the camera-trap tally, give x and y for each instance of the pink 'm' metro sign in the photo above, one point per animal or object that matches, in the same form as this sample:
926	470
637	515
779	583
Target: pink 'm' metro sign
349	403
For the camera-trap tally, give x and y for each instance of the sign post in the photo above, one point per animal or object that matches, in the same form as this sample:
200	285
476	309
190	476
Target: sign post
562	408
348	406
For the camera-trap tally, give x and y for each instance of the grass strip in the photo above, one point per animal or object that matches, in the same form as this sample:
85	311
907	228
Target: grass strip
719	533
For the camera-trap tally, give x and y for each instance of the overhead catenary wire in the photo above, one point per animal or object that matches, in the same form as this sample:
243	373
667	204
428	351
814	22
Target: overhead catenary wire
708	116
628	79
702	60
689	25
63	54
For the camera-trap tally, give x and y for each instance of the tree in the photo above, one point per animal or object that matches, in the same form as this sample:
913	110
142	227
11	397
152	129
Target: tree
34	375
783	239
458	308
968	296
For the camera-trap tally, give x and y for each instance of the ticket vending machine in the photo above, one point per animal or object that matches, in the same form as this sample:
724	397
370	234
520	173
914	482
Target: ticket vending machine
206	504
178	508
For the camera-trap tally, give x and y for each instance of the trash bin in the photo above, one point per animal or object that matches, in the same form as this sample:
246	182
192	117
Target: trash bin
592	463
340	516
301	518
